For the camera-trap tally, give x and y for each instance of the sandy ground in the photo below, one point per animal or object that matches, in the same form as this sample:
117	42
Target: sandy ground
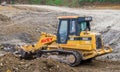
22	24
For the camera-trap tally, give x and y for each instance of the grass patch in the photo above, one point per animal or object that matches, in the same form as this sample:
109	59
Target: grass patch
72	3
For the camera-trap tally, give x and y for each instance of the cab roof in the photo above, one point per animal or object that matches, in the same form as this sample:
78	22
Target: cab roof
85	18
67	17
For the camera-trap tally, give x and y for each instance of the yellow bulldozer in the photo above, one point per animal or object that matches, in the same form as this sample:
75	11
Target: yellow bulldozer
74	41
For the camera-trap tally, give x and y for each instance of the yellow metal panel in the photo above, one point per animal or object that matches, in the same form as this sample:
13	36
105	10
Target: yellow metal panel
81	44
65	17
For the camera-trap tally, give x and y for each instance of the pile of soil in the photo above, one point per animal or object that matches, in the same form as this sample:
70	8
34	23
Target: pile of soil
4	18
11	63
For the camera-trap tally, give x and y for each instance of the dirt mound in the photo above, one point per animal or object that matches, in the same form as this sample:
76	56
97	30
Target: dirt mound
17	37
10	62
4	18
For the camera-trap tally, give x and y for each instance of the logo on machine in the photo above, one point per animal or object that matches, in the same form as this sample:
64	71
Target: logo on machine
46	40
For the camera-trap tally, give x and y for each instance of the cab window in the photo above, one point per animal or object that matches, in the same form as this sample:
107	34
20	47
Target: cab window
83	26
63	27
63	31
72	27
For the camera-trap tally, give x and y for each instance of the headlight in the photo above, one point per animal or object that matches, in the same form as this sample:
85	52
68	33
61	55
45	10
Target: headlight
88	18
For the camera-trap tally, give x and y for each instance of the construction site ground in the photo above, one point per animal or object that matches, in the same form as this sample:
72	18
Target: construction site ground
22	24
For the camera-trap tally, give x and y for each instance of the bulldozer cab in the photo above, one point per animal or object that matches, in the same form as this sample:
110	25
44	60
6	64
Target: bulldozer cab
71	25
